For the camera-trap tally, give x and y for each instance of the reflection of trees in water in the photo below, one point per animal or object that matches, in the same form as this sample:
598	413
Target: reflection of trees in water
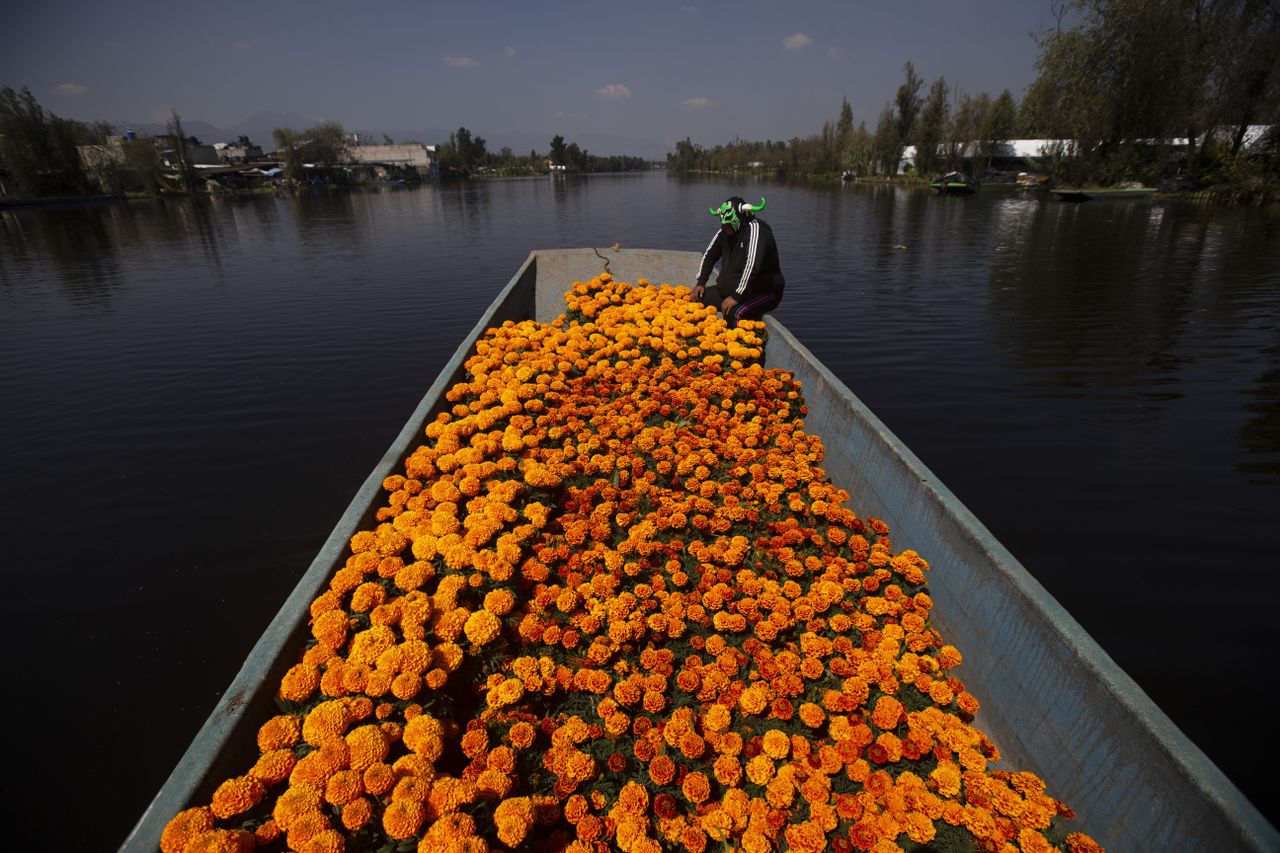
80	242
1099	297
1260	434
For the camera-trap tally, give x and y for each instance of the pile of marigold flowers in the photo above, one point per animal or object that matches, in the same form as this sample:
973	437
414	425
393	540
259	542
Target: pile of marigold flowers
613	602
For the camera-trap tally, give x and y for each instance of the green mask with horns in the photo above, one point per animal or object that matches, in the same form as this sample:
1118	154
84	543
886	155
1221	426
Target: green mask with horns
730	210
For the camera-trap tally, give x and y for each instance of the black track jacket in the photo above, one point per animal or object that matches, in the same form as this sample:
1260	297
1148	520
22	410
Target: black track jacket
748	261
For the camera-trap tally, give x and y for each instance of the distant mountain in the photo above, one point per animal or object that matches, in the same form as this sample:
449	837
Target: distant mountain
258	126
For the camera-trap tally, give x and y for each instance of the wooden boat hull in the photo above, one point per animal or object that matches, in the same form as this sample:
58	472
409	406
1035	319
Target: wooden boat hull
1053	701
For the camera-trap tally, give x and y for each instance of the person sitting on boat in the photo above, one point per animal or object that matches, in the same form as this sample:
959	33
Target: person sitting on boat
750	282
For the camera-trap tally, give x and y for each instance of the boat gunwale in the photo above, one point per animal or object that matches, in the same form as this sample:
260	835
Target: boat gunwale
207	759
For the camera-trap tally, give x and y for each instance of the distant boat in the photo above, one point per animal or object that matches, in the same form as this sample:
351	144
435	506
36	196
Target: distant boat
1027	181
955	183
1076	194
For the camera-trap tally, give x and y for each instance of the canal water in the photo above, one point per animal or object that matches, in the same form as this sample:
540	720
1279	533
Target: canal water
193	391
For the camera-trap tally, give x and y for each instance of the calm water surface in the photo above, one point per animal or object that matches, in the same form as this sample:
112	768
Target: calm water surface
194	390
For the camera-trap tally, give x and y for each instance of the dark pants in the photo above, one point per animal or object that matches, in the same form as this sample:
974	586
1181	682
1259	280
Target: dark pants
752	308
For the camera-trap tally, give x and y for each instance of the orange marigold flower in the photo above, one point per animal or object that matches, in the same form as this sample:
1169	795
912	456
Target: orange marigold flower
236	796
662	770
754	699
379	778
274	766
776	744
513	818
220	841
696	787
305	827
183	827
425	735
521	735
888	712
1078	842
343	787
357	813
300	682
482	627
402	818
279	732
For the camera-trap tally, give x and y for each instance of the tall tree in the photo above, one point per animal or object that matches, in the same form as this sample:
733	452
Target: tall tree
998	127
38	148
182	151
908	102
557	150
887	146
932	127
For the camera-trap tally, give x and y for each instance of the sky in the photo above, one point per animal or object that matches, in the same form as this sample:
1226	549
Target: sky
639	71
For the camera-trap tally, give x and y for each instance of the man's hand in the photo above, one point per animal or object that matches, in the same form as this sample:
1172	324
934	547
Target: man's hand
728	305
697	292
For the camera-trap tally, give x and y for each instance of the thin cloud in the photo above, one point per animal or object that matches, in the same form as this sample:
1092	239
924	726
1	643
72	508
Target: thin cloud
696	103
613	92
460	61
242	45
509	52
689	10
798	41
835	54
562	114
71	90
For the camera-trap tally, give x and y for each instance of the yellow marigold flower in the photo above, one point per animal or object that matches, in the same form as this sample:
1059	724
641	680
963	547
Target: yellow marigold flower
425	735
183	827
513	818
236	796
776	744
760	769
482	628
402	818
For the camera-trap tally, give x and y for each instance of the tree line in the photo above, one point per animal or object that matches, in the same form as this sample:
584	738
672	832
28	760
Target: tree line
465	153
1122	84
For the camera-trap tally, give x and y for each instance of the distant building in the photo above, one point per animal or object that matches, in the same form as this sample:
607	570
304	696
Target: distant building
397	160
228	153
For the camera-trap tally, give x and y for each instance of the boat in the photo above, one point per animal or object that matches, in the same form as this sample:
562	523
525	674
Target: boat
1078	194
954	183
1027	181
1053	701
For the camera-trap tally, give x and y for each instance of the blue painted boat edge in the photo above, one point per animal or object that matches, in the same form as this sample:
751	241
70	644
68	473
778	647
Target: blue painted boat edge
218	749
